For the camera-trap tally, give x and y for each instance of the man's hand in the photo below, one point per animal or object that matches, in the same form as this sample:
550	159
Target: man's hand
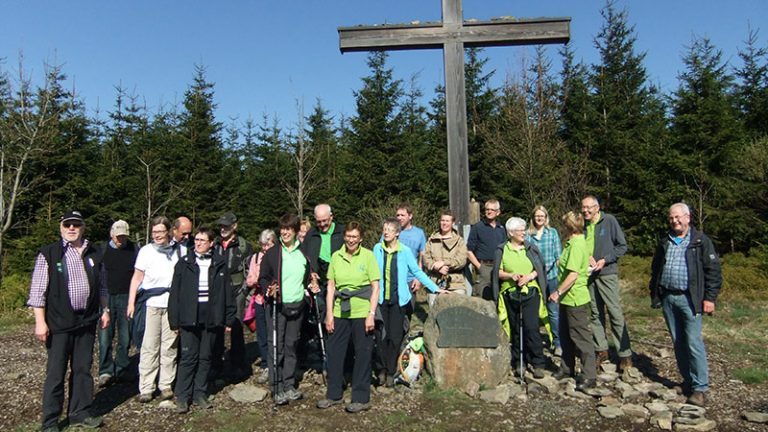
444	270
130	310
437	265
709	307
105	319
41	331
599	264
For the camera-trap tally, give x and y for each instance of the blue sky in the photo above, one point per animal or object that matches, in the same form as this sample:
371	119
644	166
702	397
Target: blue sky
266	57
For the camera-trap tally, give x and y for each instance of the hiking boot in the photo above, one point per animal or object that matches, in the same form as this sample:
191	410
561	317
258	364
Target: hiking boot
293	395
182	407
281	399
356	407
562	374
600	357
327	403
203	402
625	363
697	398
558	352
166	394
144	398
390	382
263	376
538	373
104	380
88	423
586	384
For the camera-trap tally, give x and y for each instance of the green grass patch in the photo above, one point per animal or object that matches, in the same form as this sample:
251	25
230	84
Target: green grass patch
751	375
11	320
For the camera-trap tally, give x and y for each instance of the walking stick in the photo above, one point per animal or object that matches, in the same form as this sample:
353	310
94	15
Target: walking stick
274	289
520	326
321	336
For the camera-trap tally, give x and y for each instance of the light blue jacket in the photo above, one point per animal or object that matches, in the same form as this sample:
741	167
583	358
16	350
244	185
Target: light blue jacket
405	261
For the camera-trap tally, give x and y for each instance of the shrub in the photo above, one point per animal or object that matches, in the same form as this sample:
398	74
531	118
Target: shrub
13	293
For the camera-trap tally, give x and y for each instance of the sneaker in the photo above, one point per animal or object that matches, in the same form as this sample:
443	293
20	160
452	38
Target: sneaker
293	395
538	373
263	376
88	423
203	402
144	397
104	380
697	398
182	407
356	407
281	399
586	384
327	403
166	394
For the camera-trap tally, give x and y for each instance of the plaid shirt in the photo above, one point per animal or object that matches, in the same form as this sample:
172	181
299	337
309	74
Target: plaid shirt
675	274
550	248
76	275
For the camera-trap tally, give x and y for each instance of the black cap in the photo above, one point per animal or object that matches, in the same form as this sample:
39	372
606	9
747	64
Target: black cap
227	219
72	215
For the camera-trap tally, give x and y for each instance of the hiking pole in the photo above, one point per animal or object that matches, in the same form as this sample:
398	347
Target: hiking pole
321	336
274	342
520	326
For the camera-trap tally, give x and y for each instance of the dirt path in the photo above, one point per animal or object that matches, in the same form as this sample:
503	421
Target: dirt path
22	370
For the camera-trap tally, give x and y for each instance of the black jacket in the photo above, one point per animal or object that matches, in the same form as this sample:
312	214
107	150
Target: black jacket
236	257
59	315
533	254
272	267
704	275
311	246
182	304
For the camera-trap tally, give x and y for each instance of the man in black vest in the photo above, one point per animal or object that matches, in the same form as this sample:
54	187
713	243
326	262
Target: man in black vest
236	252
118	258
64	295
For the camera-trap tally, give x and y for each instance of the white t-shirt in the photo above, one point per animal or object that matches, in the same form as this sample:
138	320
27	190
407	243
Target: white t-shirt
158	271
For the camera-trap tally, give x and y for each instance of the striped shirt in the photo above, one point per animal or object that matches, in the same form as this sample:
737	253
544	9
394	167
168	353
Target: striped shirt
76	276
674	277
550	248
204	263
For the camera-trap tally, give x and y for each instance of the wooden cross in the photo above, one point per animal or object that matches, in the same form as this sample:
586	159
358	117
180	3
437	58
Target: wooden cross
453	35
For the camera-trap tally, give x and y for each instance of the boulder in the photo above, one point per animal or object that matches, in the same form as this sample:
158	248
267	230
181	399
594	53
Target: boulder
656	407
457	366
499	395
662	420
610	412
634	410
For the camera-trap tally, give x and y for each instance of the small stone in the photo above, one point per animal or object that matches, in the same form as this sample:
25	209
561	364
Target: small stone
608	401
472	388
647	387
549	383
663	394
631	394
688	420
631	375
705	426
515	390
662	420
608	377
598	392
499	395
610	411
689	410
755	416
247	393
656	407
663	353
634	410
570	390
608	367
167	404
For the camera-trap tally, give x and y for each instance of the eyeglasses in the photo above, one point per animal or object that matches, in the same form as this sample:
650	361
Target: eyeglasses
491	209
186	234
201	240
71	224
588	207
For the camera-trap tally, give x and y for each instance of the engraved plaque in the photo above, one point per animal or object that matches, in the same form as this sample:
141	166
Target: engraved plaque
462	327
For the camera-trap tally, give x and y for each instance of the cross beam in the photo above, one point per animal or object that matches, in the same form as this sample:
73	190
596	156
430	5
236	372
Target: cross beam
453	34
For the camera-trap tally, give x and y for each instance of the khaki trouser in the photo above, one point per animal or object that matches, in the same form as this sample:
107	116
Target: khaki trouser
605	294
158	352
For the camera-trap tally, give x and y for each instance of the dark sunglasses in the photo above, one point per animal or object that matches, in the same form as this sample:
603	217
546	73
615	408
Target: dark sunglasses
71	224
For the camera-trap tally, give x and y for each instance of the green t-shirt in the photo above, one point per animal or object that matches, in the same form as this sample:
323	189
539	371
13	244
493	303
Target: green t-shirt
292	273
575	258
387	266
591	234
516	261
325	243
351	273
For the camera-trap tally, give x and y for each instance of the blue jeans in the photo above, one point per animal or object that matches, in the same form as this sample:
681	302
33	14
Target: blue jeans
685	329
118	303
553	311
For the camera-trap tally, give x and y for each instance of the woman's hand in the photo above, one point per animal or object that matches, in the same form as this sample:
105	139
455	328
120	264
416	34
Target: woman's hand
369	323
329	322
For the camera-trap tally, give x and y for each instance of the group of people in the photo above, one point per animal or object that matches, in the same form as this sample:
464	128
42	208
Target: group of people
188	288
